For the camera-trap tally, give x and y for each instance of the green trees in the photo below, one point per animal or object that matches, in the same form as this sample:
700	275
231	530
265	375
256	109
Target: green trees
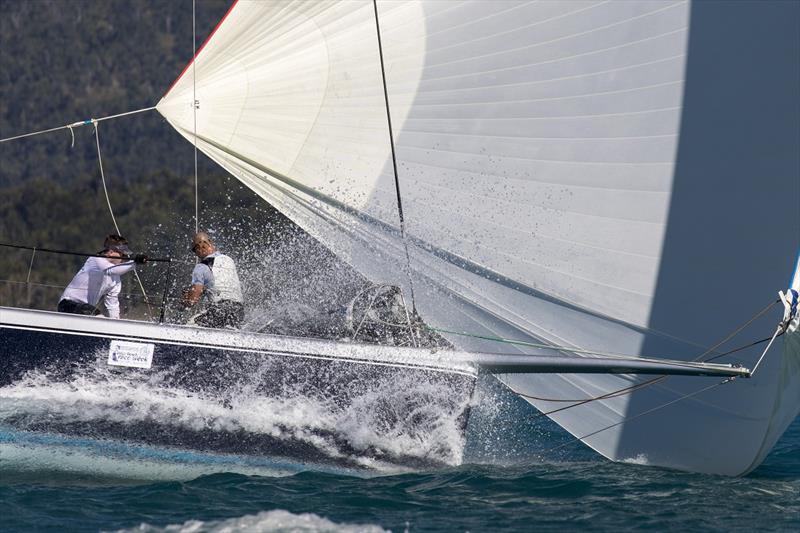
155	213
63	61
67	60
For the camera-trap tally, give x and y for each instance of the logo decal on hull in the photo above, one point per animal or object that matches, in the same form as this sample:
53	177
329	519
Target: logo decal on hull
134	354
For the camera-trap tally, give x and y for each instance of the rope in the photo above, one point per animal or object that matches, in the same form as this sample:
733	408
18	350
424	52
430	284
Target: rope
364	318
110	210
739	349
735	332
30	266
408	320
653	381
76	124
394	161
554	347
648	411
778	331
632	388
612	394
103	178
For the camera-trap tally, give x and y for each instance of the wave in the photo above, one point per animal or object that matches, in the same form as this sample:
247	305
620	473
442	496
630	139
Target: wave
385	424
277	521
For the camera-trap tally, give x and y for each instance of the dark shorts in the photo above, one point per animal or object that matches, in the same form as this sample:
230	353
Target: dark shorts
222	314
77	308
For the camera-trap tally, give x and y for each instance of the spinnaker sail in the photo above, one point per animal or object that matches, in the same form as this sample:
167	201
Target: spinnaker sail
589	175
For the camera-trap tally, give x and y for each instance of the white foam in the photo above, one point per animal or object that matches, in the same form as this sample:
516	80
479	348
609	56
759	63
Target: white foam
394	417
640	459
40	461
277	521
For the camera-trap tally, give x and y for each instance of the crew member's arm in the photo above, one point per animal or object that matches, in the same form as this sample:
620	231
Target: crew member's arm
201	278
192	295
120	269
113	266
111	299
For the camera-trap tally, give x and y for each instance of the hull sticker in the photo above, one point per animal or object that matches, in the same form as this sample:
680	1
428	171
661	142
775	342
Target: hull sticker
133	354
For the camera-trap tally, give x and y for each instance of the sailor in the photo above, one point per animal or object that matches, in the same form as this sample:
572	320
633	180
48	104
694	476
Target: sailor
100	279
215	277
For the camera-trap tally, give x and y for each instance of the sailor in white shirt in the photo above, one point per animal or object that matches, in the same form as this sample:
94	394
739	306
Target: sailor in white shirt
100	279
216	278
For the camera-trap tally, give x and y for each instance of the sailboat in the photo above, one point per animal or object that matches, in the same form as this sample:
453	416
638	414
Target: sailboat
577	195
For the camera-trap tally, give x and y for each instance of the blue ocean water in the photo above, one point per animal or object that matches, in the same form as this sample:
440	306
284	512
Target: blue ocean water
52	483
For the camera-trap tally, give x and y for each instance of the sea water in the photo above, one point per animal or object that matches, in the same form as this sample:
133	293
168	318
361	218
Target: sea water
506	475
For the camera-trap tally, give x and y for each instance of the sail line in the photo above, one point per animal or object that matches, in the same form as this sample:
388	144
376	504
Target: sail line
110	210
394	159
626	420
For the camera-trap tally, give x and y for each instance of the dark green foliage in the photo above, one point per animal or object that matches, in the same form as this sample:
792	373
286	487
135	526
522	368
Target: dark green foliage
62	61
156	214
67	60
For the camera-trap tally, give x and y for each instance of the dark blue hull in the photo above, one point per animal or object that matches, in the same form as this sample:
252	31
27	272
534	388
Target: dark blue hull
204	392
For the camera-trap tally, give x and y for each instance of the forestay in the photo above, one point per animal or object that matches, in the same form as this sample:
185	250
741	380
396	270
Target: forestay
596	175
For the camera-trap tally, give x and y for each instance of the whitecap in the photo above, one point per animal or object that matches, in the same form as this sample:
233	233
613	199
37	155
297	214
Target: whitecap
273	521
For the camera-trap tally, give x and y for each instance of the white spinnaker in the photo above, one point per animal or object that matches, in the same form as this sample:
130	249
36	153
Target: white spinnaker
535	139
536	146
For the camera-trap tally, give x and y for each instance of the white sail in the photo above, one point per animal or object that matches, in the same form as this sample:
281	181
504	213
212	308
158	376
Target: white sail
580	173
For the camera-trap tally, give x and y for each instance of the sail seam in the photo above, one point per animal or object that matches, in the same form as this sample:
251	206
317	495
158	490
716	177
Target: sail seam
449	257
544	80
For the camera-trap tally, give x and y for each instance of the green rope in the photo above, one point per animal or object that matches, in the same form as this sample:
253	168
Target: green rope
618	355
533	344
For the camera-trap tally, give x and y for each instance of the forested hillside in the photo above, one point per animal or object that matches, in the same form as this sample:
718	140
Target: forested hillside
67	60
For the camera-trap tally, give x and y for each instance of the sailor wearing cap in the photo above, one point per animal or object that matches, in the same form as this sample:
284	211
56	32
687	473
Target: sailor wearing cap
99	279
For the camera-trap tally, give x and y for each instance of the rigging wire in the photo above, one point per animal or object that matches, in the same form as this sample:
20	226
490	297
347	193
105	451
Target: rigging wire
778	332
76	124
543	346
30	266
572	349
632	388
126	295
628	390
394	160
638	415
735	332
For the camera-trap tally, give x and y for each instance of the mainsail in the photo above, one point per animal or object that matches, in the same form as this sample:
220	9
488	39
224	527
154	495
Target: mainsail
610	176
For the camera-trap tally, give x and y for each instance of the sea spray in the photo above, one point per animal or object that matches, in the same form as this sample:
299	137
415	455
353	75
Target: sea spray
255	405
